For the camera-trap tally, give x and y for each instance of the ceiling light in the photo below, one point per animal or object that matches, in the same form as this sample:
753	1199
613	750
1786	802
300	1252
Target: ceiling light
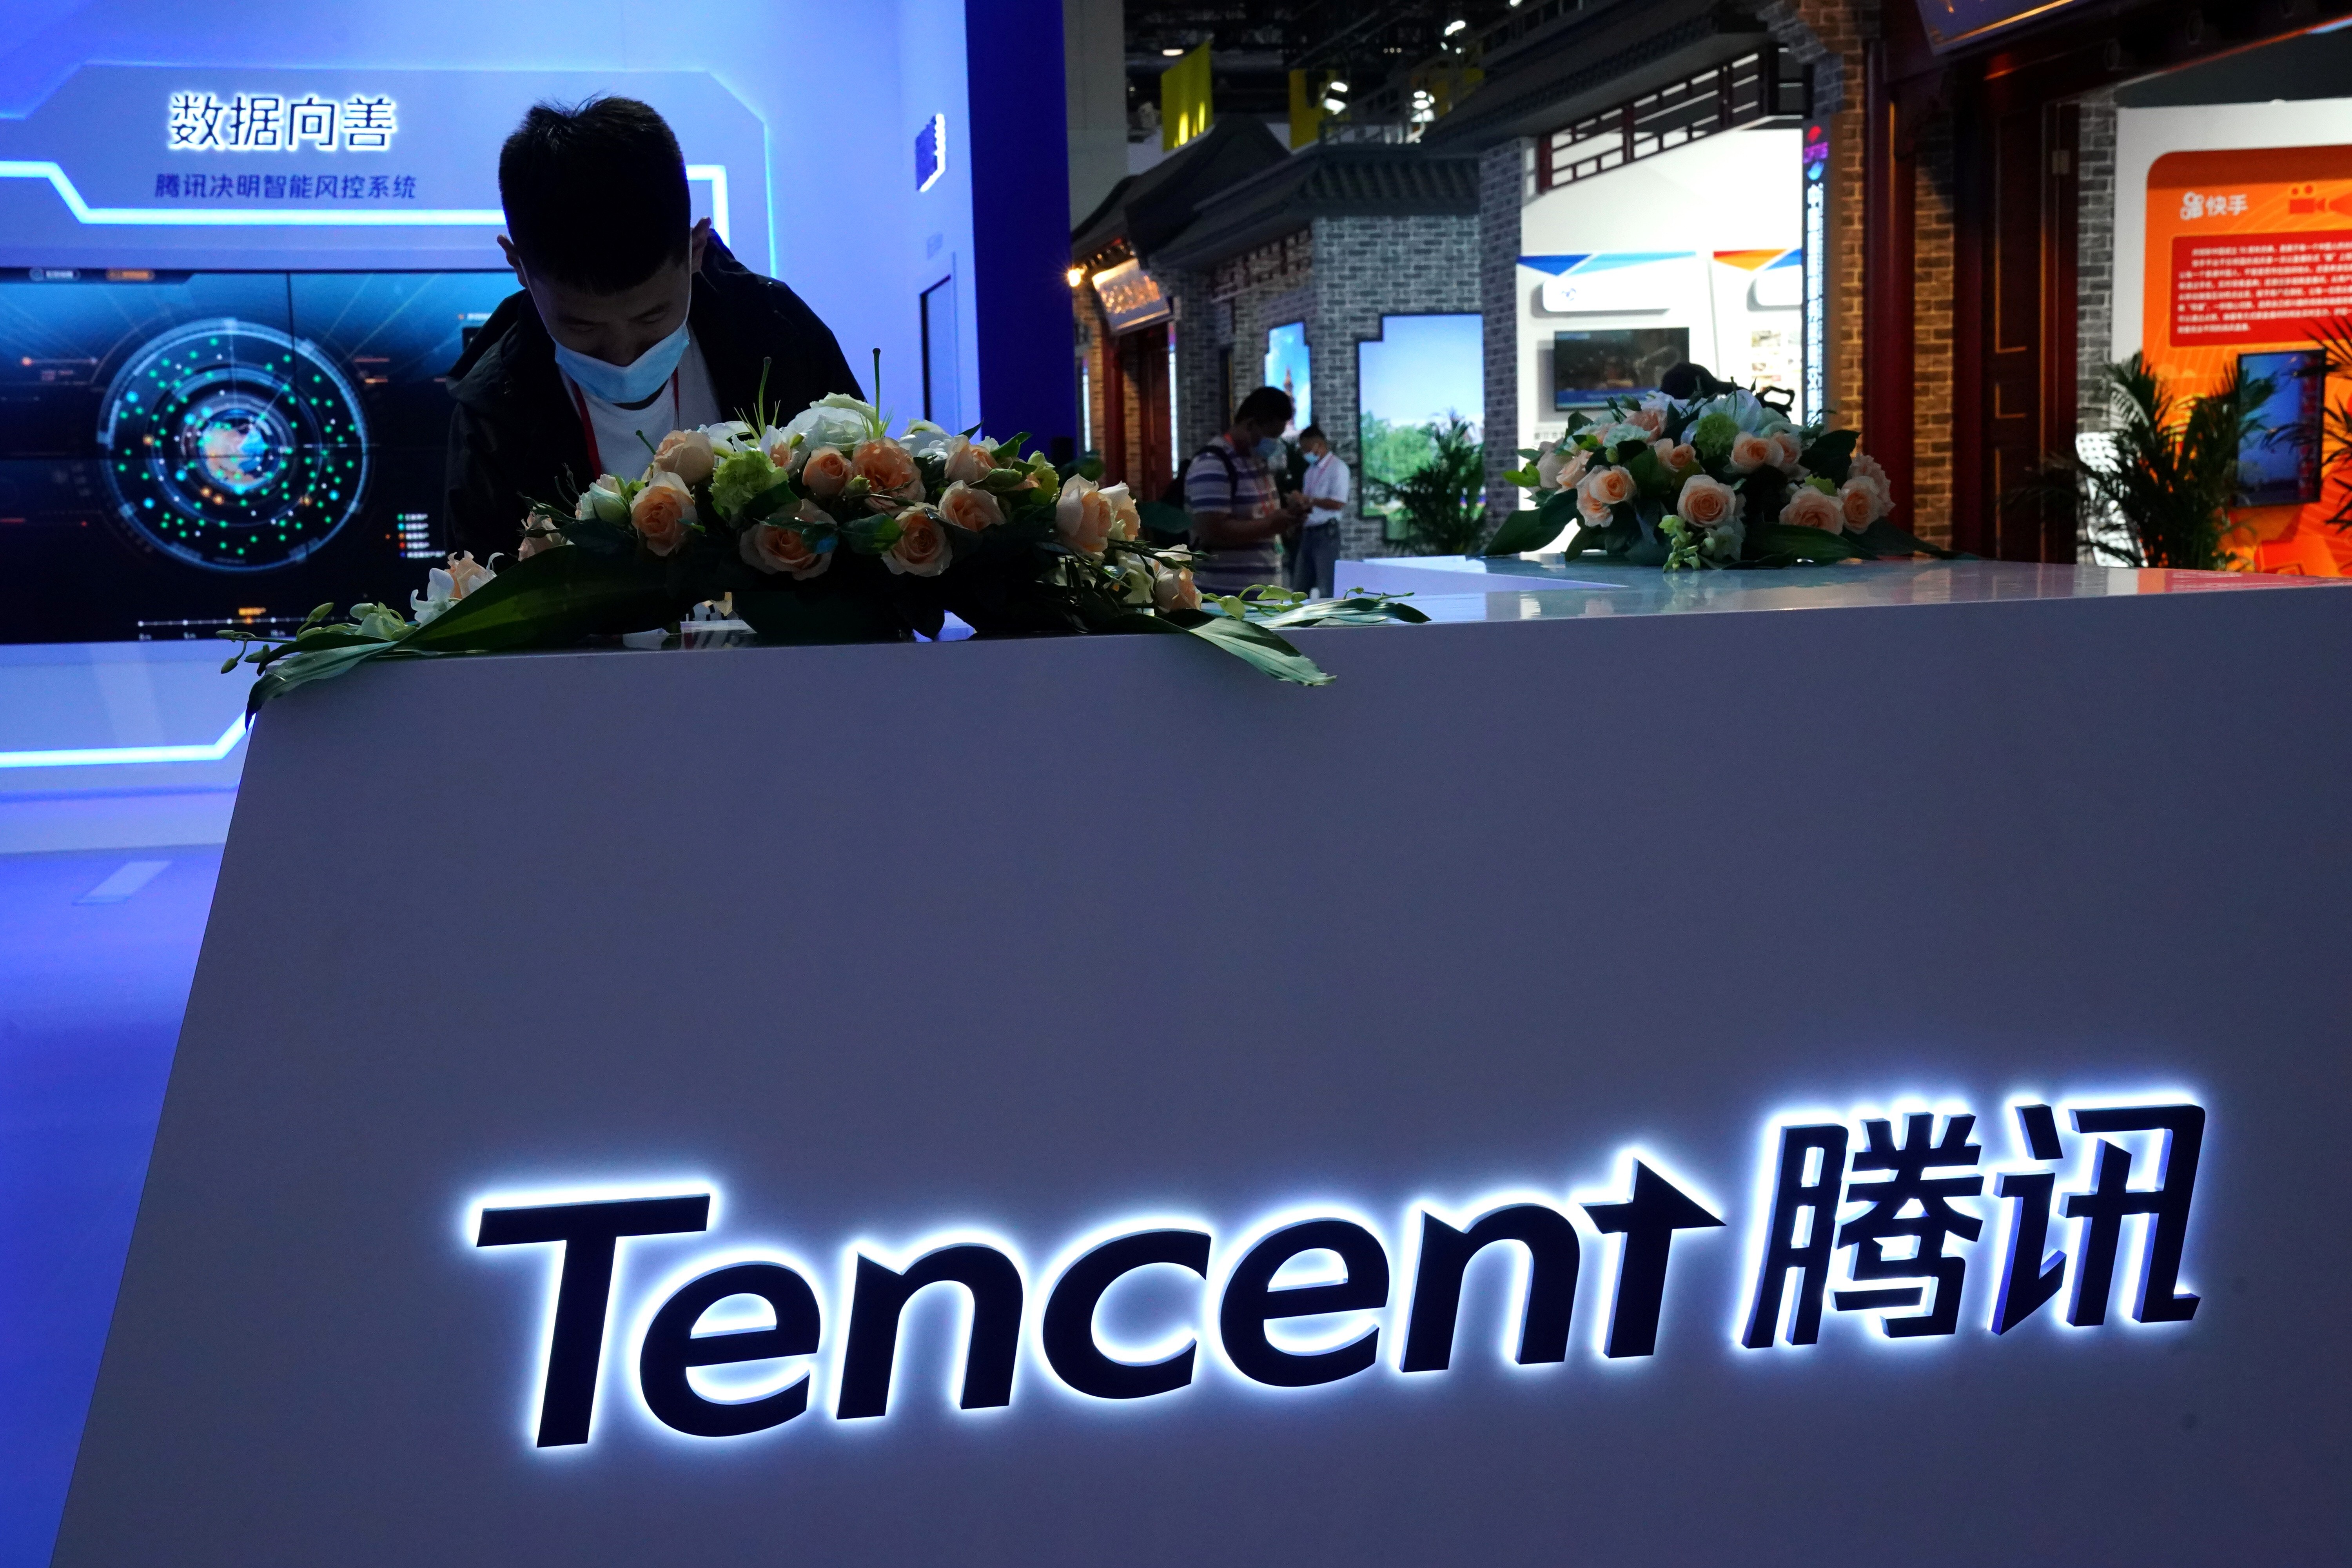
1335	106
1077	275
1454	27
1337	86
1173	53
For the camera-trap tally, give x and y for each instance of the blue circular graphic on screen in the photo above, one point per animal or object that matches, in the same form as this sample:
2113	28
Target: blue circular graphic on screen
233	446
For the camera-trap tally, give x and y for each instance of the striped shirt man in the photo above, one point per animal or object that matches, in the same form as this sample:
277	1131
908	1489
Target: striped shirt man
1237	510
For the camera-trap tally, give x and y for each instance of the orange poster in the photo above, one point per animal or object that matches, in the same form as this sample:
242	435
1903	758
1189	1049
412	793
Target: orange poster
2245	248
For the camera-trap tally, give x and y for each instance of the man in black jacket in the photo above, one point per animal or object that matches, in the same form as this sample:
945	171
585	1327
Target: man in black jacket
634	322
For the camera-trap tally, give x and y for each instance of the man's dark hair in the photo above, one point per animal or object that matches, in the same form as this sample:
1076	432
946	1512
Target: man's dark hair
1312	433
596	195
1266	405
1689	380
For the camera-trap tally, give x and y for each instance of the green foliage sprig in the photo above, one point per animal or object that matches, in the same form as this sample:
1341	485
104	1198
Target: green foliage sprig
2175	473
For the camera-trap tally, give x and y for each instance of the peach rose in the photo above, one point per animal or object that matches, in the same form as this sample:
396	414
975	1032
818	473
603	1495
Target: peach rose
1751	452
1606	488
1809	508
1083	517
921	549
824	473
662	512
969	508
1560	467
466	574
969	461
1708	502
784	451
1676	455
1648	418
686	454
1173	589
1862	501
1865	467
1127	522
889	469
1786	451
773	548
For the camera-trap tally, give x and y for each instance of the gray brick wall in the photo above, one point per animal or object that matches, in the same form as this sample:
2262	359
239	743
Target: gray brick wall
1503	181
1340	275
2095	258
1366	267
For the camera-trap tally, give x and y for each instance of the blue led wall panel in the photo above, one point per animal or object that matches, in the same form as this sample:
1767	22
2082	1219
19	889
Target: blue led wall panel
305	140
247	165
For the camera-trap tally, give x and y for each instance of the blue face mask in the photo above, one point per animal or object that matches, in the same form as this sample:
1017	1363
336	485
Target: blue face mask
631	382
1268	449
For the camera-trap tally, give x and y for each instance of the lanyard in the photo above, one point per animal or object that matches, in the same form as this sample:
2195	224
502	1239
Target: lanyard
588	426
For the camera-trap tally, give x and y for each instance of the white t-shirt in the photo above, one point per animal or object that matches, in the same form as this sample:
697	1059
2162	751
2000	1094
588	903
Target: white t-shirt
625	438
1329	485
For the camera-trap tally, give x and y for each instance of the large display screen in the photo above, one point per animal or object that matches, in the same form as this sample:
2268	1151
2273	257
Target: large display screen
182	451
1590	368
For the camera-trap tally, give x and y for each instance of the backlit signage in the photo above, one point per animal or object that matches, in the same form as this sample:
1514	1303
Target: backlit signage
1130	296
1865	1220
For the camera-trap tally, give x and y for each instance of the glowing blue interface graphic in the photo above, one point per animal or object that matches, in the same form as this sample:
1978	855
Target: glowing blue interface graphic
233	445
181	451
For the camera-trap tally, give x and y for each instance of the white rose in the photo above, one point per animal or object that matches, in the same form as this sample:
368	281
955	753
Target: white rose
833	421
443	586
926	439
605	501
729	435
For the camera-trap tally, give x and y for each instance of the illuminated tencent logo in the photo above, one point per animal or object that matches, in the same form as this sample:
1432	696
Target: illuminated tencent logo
272	123
1869	1212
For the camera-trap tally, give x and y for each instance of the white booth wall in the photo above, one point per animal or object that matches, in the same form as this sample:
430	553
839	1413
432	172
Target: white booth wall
1738	192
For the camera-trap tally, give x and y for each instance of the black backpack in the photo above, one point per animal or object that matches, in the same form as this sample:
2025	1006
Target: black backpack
1174	494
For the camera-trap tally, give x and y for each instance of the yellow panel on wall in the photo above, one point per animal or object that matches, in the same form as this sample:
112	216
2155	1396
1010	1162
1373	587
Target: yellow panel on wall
1185	110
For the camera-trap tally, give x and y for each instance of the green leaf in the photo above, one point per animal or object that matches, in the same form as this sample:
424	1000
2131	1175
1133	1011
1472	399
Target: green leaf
1522	532
1883	538
554	598
1789	540
1360	608
1830	455
1255	645
1161	518
768	503
317	664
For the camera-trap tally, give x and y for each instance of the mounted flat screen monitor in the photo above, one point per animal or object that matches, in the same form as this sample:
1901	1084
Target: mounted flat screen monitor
2278	465
181	451
1590	368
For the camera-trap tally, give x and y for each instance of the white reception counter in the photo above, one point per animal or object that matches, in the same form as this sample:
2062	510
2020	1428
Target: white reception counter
1598	1083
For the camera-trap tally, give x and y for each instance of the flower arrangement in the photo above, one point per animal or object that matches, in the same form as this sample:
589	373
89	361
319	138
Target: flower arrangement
822	528
1729	480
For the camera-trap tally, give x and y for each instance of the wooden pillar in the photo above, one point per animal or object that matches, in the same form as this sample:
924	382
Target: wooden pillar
1889	167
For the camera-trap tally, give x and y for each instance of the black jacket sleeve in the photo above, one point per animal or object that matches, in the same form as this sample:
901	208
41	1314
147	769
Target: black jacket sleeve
482	512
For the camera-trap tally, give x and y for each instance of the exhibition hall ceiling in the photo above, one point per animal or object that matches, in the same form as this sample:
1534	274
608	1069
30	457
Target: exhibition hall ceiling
1257	43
